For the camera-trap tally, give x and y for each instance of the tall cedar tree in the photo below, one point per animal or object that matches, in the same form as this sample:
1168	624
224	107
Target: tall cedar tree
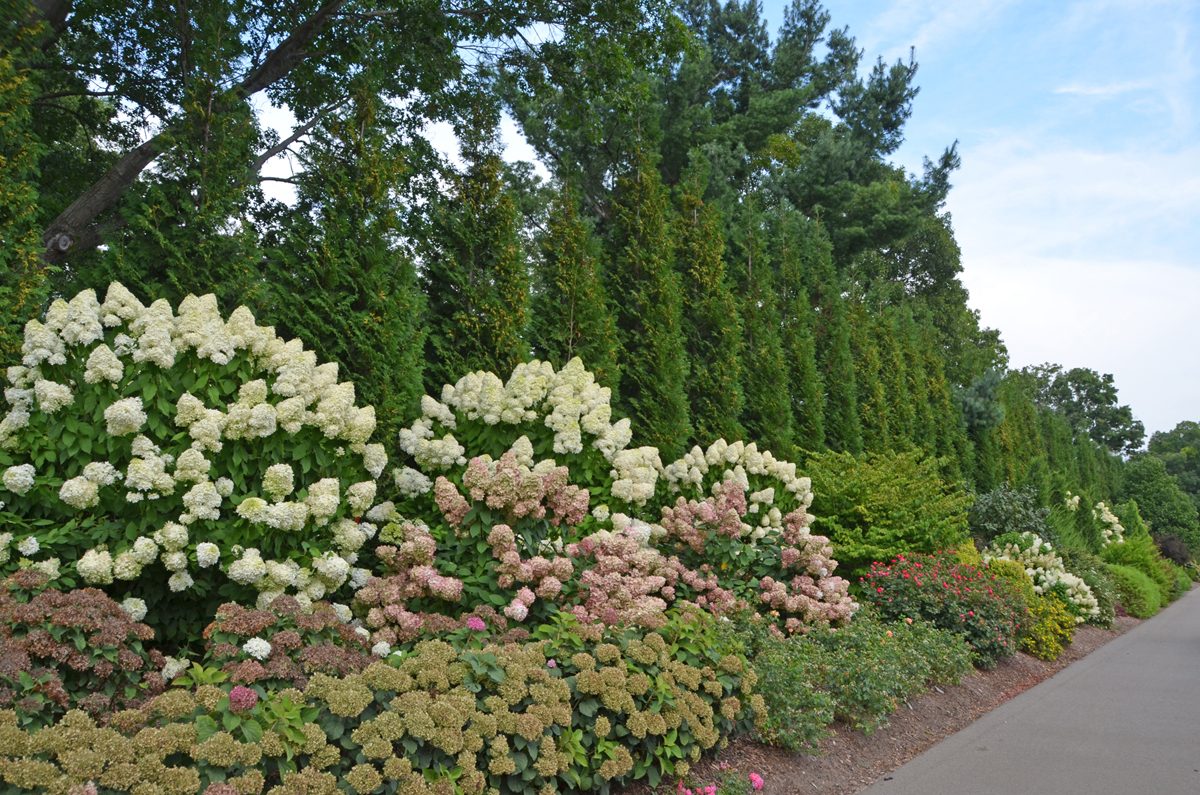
798	243
336	277
894	378
872	399
647	302
22	280
768	411
476	285
712	328
569	310
843	431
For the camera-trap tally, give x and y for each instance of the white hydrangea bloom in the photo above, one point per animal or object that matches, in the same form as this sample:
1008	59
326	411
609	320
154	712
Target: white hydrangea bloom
101	473
52	396
28	546
124	345
153	328
224	486
288	516
82	326
635	474
207	554
144	550
103	365
383	512
374	459
172	537
172	668
281	575
360	496
409	482
42	344
206	431
49	567
134	607
381	649
332	568
120	306
189	409
79	493
19	479
13	422
279	481
126	567
192	466
175	561
125	416
323	500
249	568
343	612
180	581
348	536
253	509
202	502
522	450
359	577
5	552
95	567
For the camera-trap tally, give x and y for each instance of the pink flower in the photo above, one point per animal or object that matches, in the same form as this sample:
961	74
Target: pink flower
476	624
242	698
756	781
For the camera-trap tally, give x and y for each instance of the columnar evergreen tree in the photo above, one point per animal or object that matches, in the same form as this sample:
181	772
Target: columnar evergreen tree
872	399
22	281
768	411
475	282
798	244
569	308
712	328
647	303
843	429
334	274
893	376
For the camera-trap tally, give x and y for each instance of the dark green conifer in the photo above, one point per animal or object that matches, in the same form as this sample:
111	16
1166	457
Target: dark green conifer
843	431
799	244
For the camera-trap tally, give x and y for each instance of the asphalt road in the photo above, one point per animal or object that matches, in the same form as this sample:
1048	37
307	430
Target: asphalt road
1125	720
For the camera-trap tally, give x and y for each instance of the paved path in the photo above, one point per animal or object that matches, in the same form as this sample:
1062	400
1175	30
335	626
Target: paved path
1125	720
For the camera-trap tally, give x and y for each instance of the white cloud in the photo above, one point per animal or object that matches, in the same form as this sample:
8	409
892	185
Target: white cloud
1105	89
926	25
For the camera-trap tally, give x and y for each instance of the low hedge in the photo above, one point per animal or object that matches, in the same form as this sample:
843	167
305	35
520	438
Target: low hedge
1137	593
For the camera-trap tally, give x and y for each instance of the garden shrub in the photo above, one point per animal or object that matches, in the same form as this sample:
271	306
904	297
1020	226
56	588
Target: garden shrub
282	645
1004	510
71	650
1138	594
1048	572
1050	628
968	600
603	531
857	674
1140	552
182	457
1090	568
876	506
636	706
1174	549
1183	580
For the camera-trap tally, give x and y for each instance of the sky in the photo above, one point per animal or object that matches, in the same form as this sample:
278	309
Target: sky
1077	206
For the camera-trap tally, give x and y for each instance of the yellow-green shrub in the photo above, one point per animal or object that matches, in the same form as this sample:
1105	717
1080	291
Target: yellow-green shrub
1050	629
1138	593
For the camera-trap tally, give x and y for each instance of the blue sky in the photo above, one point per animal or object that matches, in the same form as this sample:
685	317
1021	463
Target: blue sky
1078	203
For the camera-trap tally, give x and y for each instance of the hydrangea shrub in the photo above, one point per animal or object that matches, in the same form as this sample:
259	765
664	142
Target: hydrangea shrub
1047	570
157	450
523	495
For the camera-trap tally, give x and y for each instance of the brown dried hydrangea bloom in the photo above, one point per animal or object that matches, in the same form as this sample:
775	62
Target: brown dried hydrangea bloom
79	648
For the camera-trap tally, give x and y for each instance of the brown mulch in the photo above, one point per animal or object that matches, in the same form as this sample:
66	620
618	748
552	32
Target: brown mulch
849	761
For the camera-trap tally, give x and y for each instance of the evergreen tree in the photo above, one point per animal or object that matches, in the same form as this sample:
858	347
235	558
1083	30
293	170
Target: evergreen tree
843	430
798	244
893	376
334	275
768	411
569	309
712	329
648	306
475	282
872	399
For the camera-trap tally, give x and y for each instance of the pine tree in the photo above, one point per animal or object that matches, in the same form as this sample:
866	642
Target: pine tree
798	244
335	277
712	328
475	282
647	303
569	309
768	410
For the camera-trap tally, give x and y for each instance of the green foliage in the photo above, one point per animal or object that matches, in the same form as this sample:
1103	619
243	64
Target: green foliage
843	429
1179	450
1006	510
875	506
475	281
1140	552
768	409
1088	402
969	600
1163	504
1137	593
647	303
858	674
798	245
712	327
569	310
1050	628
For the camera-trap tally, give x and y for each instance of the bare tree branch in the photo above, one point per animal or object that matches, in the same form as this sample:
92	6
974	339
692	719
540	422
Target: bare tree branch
72	231
296	135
